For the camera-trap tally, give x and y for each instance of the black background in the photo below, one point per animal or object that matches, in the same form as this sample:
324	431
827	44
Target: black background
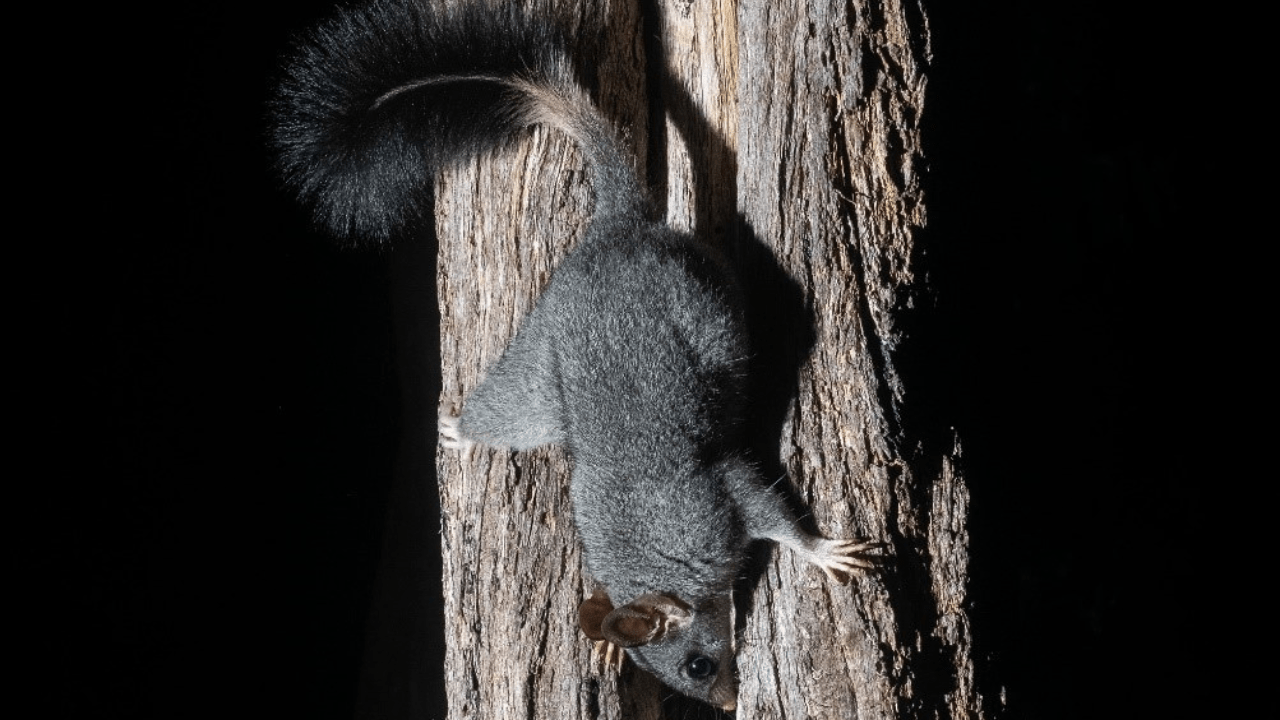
229	395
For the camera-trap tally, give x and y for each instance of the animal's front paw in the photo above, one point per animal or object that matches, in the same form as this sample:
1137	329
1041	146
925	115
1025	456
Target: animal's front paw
451	433
841	559
605	655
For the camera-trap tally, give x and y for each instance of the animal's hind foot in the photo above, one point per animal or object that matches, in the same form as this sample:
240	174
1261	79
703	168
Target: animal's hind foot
451	436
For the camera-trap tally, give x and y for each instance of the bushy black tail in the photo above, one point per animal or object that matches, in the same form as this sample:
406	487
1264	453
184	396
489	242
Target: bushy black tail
380	97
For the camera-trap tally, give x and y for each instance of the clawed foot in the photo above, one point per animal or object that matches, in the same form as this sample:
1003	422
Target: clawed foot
606	655
841	559
451	434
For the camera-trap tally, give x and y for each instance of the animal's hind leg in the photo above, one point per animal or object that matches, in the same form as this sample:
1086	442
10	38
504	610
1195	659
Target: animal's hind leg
518	404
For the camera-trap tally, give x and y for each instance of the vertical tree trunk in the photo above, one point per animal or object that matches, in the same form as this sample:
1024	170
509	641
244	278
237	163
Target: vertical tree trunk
789	133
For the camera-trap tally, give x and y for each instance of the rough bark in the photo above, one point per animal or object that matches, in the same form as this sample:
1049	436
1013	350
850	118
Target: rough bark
789	133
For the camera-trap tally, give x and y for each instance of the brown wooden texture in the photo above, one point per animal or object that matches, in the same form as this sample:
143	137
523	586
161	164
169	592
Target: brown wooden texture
789	135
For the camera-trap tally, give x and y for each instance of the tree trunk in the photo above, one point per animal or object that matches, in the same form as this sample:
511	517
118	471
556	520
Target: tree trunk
788	133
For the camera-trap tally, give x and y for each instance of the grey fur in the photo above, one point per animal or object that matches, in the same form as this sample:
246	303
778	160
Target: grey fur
635	355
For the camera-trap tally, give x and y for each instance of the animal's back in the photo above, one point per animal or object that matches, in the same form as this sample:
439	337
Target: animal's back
651	345
651	361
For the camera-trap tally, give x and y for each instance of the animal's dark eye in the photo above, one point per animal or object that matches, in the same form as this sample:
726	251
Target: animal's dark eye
700	666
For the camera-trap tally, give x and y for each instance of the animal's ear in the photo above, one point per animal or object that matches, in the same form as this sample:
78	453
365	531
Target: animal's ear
592	612
647	619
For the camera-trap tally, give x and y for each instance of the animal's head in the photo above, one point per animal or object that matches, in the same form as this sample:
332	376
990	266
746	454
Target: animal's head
689	648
